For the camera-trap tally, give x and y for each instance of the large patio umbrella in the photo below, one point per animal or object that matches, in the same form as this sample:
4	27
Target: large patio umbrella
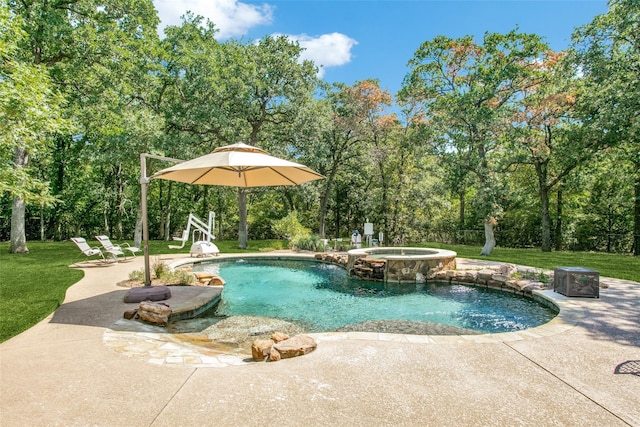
236	165
239	165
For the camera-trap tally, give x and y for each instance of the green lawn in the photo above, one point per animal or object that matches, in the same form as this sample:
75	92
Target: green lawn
609	265
33	285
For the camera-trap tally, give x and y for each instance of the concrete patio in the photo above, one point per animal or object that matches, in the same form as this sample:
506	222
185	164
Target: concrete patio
581	369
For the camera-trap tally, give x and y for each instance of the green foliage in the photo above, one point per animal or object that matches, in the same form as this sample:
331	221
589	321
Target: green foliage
160	270
538	276
137	275
30	113
308	243
452	160
289	227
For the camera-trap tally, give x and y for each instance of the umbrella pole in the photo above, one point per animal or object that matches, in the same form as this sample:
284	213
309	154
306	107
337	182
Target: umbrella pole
144	184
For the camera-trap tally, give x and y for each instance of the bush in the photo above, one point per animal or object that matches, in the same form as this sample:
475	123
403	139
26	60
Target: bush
308	243
161	271
289	227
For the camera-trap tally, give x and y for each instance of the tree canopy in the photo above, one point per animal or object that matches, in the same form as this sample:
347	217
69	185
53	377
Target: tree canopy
497	140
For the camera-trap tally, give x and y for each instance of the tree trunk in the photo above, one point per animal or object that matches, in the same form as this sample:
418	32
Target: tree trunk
610	215
636	216
42	234
490	240
558	231
543	194
460	213
242	222
167	214
137	233
545	222
324	198
18	238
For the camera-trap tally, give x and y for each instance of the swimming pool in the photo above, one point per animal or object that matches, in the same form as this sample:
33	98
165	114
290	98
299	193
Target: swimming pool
322	297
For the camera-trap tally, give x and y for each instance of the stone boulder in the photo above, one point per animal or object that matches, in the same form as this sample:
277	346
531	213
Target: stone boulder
153	312
279	336
260	349
485	275
216	281
296	346
274	355
507	270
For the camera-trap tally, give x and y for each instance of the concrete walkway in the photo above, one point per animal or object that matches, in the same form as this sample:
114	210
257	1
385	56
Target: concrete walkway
581	369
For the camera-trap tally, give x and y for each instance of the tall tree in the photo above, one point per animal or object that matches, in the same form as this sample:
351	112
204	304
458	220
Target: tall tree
465	88
234	92
88	48
30	113
542	132
607	56
347	112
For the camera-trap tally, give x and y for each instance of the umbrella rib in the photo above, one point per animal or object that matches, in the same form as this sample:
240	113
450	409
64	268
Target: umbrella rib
285	177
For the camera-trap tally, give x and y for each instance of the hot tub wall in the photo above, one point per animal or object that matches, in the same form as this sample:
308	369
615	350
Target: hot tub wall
402	270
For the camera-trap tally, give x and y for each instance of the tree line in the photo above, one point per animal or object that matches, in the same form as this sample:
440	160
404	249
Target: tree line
495	141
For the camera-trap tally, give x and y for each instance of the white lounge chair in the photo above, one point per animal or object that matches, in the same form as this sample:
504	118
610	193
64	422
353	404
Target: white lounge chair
119	248
89	251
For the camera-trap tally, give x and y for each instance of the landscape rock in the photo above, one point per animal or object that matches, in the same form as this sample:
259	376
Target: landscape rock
296	346
203	276
153	312
274	355
507	269
485	274
279	336
260	349
130	314
216	281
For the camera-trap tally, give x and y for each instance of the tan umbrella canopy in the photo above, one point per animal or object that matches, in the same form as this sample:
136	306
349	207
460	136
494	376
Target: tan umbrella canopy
236	165
239	165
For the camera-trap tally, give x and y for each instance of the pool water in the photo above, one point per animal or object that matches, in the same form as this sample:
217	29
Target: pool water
322	297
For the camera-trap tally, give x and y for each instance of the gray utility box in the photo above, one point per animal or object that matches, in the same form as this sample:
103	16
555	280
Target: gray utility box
576	282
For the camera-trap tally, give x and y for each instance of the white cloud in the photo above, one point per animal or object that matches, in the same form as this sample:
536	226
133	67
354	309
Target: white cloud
231	17
327	50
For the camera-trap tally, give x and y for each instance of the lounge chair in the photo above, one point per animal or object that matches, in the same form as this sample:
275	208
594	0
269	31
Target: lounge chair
89	251
120	248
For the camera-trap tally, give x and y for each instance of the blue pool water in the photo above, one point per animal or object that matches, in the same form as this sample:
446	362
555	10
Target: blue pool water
322	297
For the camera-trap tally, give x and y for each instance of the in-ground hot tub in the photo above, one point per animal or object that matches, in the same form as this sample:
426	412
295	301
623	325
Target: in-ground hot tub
401	265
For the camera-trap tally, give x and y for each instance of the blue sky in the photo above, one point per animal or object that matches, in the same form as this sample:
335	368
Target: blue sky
359	39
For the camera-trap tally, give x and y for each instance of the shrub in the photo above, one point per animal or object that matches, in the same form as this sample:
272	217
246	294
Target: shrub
161	271
137	275
308	243
289	227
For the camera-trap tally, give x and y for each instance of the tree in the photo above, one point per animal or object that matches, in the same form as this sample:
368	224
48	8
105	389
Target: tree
346	114
89	49
465	89
30	113
542	132
607	56
230	92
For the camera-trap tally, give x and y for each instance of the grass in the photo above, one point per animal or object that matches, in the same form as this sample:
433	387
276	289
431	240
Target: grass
610	265
33	285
